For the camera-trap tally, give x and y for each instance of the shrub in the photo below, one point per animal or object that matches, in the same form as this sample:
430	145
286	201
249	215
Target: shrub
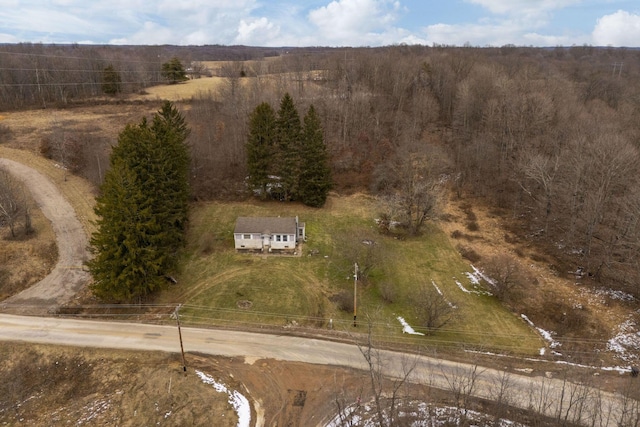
468	253
473	226
343	301
5	133
387	291
508	278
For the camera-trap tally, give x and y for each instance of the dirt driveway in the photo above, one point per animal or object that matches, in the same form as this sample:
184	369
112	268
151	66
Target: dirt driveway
68	276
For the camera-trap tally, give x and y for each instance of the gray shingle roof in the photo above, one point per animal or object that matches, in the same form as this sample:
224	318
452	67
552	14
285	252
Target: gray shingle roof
267	225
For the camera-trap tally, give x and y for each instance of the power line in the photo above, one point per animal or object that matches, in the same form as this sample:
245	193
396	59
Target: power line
83	58
78	83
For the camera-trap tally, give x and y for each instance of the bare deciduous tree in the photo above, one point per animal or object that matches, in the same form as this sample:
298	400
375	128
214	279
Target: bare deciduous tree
431	308
415	189
507	278
13	203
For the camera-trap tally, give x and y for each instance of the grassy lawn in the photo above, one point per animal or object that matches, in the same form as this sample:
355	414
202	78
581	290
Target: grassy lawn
220	286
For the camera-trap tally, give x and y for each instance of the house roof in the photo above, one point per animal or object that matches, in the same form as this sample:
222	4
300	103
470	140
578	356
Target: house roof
266	225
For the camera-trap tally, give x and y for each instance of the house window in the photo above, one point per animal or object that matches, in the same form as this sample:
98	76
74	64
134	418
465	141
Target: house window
247	236
278	238
284	238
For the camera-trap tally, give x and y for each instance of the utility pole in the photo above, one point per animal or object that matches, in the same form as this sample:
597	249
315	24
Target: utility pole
184	364
355	294
617	66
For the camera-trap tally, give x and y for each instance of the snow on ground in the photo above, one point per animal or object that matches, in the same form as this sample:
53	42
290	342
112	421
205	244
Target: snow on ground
442	295
471	291
626	343
478	274
420	413
548	336
236	399
406	328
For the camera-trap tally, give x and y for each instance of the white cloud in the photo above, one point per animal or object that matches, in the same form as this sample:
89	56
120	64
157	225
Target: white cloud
356	22
523	7
498	34
257	32
618	29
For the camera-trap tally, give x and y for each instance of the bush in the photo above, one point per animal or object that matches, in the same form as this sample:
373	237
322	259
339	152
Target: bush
387	292
343	301
5	133
468	253
511	280
473	226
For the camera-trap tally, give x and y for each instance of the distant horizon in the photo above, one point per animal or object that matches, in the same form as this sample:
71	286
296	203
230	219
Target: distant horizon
433	46
323	23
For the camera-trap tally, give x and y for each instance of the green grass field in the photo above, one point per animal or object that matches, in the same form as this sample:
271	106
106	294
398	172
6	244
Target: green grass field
219	286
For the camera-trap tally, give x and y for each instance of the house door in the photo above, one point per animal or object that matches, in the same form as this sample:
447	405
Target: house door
266	241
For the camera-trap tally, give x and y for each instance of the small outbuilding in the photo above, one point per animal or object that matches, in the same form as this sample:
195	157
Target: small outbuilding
268	234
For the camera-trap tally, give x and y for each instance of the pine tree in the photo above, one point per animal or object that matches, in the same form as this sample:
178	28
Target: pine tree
288	147
315	174
142	209
110	80
260	148
174	71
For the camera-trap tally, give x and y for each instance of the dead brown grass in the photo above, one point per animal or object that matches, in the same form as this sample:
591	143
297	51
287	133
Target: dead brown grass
26	259
556	302
46	385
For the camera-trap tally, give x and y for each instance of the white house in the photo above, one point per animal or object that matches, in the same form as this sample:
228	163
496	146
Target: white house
268	233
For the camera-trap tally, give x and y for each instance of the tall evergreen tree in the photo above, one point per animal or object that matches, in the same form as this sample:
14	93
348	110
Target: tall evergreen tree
174	71
315	173
110	80
260	147
288	147
142	209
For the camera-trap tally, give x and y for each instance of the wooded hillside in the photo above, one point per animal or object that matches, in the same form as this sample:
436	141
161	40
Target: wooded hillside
548	137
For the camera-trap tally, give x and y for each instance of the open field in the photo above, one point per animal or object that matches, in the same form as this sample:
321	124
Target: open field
219	286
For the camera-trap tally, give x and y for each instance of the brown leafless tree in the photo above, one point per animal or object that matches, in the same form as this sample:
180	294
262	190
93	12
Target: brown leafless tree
13	203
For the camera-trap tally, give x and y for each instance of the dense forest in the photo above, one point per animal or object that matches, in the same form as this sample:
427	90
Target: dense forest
547	137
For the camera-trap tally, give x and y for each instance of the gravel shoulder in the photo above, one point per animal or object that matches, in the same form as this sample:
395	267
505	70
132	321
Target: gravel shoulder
68	276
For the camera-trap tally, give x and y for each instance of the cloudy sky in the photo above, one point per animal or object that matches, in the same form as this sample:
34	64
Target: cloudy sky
323	22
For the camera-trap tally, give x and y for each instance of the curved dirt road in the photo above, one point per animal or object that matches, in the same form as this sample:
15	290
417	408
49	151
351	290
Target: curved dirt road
68	276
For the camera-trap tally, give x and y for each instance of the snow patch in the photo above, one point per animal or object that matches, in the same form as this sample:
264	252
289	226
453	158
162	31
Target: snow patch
468	291
442	295
626	340
546	335
236	399
406	328
420	413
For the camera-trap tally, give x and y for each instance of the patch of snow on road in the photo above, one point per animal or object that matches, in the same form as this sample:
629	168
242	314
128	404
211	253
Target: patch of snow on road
406	328
546	335
236	399
627	338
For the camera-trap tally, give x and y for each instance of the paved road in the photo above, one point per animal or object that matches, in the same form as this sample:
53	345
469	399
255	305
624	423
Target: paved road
67	277
547	395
